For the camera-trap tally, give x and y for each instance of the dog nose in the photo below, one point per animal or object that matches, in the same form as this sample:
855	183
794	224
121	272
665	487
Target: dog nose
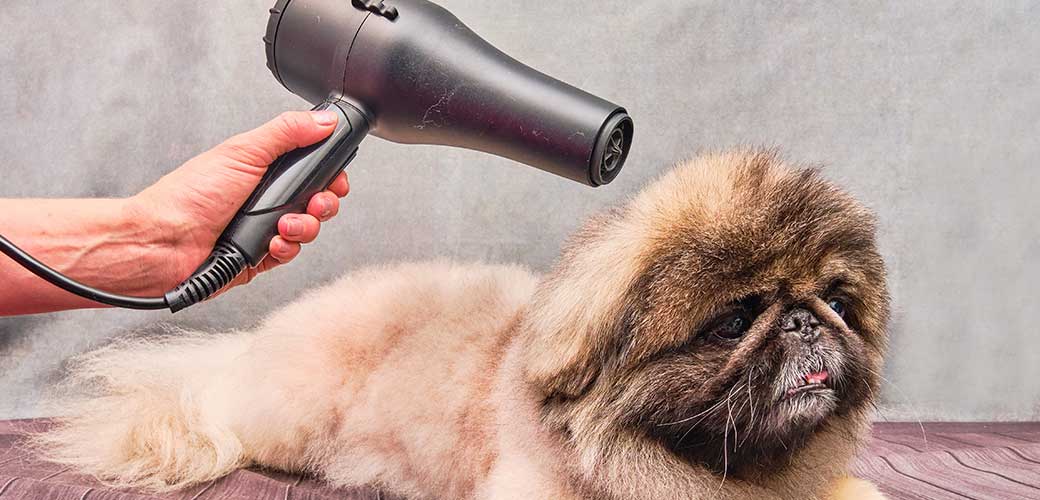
802	321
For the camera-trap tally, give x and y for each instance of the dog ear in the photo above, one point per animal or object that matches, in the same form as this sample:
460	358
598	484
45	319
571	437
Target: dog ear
572	326
567	343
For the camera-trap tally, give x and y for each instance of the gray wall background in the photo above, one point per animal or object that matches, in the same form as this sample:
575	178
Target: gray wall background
928	111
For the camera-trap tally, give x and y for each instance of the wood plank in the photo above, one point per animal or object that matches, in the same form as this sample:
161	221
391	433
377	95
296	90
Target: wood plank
30	467
1029	453
971	460
24	426
244	485
958	427
983	439
878	447
943	470
252	484
27	488
12	446
901	427
918	443
310	486
897	485
22	488
1000	461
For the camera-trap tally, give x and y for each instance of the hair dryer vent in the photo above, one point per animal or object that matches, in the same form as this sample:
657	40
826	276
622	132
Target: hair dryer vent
611	149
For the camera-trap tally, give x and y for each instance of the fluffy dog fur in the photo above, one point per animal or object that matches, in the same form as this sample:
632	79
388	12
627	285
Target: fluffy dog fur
682	348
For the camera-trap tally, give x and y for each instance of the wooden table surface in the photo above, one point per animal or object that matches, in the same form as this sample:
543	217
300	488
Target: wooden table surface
979	461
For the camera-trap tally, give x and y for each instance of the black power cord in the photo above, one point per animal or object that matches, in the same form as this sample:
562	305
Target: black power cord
224	264
69	285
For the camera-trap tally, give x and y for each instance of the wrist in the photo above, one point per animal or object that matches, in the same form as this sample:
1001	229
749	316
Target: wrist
160	245
110	244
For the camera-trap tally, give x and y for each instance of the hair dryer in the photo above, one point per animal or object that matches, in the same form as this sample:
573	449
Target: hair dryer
407	71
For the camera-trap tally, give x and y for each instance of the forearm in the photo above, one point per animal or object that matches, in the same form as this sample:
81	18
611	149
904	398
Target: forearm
101	243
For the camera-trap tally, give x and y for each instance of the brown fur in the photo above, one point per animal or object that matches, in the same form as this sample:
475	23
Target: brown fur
607	379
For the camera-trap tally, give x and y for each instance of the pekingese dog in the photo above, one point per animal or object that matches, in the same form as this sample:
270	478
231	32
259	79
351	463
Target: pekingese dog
720	335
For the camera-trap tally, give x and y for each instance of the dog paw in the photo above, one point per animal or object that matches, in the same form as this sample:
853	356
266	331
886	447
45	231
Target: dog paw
851	488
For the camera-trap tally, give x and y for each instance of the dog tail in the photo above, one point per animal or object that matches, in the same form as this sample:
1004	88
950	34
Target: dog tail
150	413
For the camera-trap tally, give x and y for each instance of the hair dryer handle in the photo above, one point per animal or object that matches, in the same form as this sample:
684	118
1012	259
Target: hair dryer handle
292	180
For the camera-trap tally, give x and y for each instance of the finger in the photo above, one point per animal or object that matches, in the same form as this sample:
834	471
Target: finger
265	265
323	206
283	251
291	130
298	228
340	186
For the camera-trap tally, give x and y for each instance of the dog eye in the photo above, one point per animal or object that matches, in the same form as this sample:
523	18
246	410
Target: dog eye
838	306
733	327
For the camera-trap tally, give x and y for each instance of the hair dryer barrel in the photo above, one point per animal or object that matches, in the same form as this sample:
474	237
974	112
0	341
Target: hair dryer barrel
425	78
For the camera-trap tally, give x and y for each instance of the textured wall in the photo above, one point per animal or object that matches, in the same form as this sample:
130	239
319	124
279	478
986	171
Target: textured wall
928	111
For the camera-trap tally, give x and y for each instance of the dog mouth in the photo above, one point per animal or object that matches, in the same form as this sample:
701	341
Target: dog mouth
813	383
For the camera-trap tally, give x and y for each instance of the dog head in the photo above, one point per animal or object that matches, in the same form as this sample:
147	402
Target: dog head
728	311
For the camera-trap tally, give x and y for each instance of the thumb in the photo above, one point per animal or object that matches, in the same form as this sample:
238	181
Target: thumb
290	130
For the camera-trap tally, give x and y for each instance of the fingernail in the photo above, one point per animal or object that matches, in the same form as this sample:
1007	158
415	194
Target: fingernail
293	227
325	118
326	209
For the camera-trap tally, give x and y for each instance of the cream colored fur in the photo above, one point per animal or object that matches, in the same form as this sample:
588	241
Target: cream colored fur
856	489
411	378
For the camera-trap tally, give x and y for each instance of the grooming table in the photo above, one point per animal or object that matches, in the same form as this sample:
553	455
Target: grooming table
996	461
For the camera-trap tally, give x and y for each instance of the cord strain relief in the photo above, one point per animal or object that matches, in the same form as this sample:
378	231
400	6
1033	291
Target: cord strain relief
223	265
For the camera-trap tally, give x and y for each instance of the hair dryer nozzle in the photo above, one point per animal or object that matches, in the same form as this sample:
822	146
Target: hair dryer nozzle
611	149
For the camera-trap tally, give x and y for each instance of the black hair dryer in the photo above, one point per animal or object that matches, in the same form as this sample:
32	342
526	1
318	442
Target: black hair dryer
407	71
410	72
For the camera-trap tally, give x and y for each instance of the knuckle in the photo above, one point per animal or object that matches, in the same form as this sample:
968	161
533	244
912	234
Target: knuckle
287	122
240	148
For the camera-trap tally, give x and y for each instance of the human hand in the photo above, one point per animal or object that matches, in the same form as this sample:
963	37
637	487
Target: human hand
190	207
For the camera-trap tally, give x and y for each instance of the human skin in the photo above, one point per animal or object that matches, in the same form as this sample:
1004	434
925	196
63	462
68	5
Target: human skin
148	243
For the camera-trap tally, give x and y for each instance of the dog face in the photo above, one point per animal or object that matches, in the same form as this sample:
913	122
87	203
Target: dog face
727	312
